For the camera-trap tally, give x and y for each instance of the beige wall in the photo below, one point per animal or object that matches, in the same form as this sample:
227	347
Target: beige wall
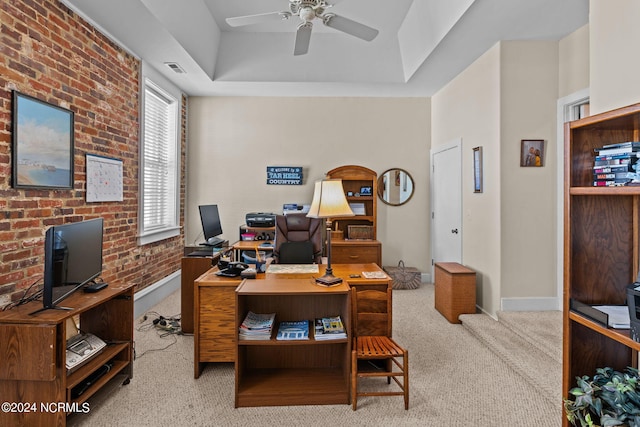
469	108
614	60
573	68
233	139
528	99
509	232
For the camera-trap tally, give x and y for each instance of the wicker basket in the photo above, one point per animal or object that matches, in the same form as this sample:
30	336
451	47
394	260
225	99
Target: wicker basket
404	277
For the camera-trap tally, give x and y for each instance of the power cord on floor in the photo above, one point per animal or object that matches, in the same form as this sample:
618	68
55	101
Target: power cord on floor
165	326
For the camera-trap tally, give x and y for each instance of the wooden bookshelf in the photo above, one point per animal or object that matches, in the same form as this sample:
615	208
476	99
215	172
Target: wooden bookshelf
300	372
356	250
601	240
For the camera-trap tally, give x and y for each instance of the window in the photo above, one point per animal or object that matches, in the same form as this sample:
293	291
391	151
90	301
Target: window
159	165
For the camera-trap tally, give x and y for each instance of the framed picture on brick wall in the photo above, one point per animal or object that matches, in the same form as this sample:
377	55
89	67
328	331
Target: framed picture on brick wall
42	137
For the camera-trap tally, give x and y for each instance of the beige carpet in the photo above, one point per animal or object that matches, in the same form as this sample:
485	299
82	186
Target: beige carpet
523	341
455	381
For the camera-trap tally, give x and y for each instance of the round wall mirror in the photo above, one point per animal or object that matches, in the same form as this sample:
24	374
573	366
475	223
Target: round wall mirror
395	187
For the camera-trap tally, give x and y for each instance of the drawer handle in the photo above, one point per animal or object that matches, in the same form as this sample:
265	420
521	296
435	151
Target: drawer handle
354	256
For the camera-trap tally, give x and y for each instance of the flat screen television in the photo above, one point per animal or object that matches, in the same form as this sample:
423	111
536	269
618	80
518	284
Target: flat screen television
211	226
72	258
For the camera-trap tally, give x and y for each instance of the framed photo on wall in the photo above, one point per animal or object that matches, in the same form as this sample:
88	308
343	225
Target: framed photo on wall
532	152
42	140
477	170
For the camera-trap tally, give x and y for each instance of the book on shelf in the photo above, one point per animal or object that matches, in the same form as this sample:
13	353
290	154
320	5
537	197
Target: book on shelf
611	182
334	332
617	175
612	169
256	326
622	145
617	151
293	330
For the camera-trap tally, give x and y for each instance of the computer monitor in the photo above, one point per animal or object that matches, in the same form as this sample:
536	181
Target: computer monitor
211	225
72	258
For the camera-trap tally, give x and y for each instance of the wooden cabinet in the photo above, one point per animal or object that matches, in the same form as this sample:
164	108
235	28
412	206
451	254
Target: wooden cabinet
354	179
354	249
454	290
601	238
33	356
192	268
214	332
301	372
356	252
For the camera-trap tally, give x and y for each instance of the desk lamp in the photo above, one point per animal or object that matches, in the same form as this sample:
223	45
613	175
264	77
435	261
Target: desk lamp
329	202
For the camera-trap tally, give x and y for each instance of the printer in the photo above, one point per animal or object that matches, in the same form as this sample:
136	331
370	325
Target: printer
260	219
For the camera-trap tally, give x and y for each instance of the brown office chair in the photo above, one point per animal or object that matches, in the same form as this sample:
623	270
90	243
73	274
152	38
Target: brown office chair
374	353
296	228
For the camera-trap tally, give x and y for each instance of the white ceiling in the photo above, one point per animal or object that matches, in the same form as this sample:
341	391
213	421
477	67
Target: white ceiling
421	46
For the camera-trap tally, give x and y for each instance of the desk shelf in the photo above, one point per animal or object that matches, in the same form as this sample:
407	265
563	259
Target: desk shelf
294	387
300	372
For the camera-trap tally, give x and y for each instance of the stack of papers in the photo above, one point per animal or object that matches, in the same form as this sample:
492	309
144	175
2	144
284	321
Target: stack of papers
618	315
374	275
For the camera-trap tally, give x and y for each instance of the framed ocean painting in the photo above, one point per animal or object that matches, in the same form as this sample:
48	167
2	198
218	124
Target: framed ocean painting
42	144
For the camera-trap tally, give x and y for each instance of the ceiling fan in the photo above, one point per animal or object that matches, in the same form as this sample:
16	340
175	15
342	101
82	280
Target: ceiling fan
307	11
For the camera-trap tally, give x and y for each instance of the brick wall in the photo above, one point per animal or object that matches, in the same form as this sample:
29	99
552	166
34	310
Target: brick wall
48	52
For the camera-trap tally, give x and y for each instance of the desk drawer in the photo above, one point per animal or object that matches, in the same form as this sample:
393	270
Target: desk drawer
216	330
355	254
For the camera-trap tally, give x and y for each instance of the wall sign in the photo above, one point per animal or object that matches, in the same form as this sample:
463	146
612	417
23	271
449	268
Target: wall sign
284	175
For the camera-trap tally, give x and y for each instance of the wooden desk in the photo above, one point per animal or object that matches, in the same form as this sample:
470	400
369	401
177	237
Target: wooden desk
214	301
301	372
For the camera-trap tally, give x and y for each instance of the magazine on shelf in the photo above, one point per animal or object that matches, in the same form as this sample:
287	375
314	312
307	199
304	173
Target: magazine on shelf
256	326
334	331
294	330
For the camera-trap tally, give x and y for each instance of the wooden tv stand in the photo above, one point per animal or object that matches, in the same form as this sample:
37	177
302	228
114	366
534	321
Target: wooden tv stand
33	371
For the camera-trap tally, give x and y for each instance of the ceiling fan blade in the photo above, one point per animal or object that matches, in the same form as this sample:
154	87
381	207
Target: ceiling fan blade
240	21
350	27
303	37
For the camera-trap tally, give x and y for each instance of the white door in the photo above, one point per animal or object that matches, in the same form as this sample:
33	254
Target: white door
446	204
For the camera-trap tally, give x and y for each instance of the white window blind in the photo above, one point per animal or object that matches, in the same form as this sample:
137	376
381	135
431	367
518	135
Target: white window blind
159	165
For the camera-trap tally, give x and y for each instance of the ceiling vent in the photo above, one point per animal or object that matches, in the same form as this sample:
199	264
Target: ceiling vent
175	67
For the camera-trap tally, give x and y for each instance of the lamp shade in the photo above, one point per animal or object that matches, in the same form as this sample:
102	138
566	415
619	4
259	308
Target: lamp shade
329	200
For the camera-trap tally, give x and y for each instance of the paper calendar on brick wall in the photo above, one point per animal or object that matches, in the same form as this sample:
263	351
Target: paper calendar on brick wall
104	179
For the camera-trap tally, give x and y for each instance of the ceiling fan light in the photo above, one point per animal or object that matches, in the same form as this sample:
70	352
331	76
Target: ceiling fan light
307	14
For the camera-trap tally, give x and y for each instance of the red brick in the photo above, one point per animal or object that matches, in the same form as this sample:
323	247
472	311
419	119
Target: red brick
72	65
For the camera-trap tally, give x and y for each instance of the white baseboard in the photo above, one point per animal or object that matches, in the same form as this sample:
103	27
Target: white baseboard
152	295
425	278
530	304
